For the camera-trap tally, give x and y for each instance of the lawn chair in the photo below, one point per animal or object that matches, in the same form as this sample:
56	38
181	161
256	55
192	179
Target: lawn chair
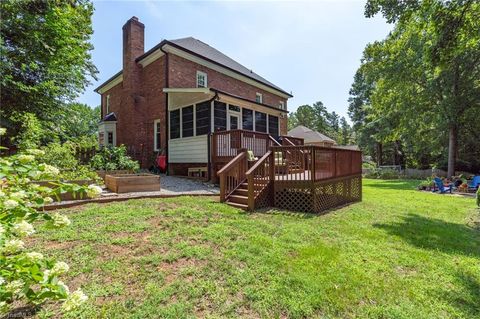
442	188
473	186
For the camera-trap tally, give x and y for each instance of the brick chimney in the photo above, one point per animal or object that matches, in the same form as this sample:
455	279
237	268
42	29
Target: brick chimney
133	47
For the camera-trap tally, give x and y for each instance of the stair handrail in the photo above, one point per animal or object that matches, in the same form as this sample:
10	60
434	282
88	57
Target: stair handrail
241	161
250	175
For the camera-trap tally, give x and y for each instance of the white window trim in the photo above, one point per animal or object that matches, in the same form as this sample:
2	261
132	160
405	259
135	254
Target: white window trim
200	73
282	105
260	100
155	132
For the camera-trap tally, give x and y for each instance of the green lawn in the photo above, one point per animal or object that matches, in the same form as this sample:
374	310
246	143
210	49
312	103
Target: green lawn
398	254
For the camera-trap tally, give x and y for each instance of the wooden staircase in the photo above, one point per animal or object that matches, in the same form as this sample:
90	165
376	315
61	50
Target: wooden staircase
239	197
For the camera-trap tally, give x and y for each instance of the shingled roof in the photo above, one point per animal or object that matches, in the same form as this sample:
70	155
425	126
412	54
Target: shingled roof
203	50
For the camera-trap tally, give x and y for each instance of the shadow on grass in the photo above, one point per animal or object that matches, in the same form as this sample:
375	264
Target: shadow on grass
393	184
436	234
467	301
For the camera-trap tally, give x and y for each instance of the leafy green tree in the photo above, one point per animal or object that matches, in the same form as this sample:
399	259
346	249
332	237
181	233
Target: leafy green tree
422	80
45	55
77	120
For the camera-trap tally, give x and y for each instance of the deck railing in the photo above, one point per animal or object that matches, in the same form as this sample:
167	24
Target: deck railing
260	178
291	141
314	163
227	144
232	175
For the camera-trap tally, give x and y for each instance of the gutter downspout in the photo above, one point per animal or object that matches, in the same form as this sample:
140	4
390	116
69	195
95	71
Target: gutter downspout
209	157
167	113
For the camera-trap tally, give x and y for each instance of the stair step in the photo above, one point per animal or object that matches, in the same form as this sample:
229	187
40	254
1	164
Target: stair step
237	205
238	199
241	192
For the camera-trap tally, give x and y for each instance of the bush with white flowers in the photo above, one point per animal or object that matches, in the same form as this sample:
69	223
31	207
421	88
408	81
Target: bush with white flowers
29	277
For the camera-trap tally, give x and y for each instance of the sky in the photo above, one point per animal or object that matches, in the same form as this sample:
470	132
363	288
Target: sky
309	48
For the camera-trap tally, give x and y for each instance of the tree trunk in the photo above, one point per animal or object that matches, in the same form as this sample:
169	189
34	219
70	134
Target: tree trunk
379	154
452	151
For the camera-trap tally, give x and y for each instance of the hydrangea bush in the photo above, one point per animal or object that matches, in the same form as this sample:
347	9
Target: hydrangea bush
29	277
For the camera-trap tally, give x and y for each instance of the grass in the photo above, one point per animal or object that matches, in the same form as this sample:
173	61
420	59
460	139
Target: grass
400	253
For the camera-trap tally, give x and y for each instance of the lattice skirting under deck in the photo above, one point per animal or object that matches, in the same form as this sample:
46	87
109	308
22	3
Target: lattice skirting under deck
305	196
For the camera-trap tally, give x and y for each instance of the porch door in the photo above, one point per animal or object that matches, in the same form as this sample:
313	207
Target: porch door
234	124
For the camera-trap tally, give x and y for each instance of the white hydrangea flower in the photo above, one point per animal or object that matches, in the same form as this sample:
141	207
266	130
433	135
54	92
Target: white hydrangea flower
50	170
23	229
46	275
48	200
14	286
18	195
3	131
59	268
60	220
34	256
24	158
93	191
2	194
2	230
13	245
74	300
36	152
10	204
2	280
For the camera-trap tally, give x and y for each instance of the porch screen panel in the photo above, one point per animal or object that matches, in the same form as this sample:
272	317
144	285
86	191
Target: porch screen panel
219	116
247	119
203	118
273	125
260	122
175	124
187	121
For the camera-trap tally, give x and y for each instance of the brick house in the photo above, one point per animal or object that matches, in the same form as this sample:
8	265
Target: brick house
175	96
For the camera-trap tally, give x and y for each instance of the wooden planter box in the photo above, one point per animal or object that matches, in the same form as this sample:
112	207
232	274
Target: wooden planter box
103	173
124	183
68	195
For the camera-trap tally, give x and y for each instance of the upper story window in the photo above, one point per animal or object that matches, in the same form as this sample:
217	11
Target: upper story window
282	105
259	98
201	79
107	104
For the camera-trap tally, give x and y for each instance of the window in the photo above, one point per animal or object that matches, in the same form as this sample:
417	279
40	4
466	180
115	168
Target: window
260	122
282	105
175	124
203	118
107	104
219	116
187	121
201	79
273	125
156	135
110	138
247	119
234	108
259	98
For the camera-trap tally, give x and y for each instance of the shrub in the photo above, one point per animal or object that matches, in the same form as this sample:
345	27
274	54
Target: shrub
60	155
478	197
28	276
113	158
383	174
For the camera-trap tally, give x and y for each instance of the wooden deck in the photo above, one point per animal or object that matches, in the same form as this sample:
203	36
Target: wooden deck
289	176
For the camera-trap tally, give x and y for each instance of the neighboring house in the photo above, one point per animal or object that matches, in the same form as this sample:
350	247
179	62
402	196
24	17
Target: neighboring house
174	96
311	137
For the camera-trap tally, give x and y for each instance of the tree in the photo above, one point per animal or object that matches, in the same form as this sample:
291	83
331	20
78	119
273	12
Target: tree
44	55
428	67
76	120
345	132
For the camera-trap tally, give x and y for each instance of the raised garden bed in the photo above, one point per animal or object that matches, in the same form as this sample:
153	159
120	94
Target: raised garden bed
103	173
124	183
68	195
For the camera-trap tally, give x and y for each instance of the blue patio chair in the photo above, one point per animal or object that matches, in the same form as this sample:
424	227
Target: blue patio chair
442	188
474	184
